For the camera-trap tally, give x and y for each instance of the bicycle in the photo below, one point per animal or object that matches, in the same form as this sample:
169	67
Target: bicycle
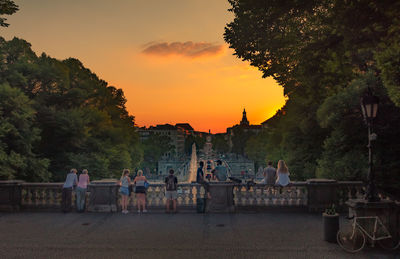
353	240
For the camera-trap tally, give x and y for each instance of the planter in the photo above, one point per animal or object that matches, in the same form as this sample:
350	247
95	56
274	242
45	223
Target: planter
331	226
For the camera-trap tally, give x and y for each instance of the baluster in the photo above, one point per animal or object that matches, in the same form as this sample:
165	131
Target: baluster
179	200
161	195
247	196
40	196
56	200
283	196
292	196
25	195
262	198
191	195
239	195
150	196
34	196
47	197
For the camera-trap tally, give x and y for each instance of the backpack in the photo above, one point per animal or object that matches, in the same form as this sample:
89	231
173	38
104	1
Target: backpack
171	184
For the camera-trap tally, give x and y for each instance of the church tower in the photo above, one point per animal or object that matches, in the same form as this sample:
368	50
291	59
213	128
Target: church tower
244	121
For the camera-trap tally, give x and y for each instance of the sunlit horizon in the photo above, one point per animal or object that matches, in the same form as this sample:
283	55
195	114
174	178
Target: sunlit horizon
171	62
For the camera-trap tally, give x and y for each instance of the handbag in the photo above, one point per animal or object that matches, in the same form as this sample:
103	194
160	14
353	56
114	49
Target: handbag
146	184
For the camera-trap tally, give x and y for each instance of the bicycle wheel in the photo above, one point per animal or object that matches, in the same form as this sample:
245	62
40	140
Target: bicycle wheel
351	240
389	243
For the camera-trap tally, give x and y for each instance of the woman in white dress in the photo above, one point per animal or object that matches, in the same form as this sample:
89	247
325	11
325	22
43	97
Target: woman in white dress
282	174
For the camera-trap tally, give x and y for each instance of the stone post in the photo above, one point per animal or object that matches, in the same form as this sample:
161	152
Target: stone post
103	196
322	193
10	195
221	198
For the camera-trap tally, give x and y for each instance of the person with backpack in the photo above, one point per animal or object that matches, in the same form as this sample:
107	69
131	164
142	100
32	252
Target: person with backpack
171	193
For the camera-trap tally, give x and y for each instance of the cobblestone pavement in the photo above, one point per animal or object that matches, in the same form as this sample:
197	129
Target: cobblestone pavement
106	235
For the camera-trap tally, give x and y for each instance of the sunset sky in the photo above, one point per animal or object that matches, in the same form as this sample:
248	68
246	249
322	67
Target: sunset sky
169	57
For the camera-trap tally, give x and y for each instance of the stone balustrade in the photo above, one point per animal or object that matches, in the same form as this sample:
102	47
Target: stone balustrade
262	195
312	195
187	195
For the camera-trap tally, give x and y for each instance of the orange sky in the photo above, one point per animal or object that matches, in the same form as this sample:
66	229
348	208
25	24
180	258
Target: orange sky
169	57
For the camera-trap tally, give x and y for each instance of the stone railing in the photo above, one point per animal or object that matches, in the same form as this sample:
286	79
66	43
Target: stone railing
312	195
187	196
42	196
269	196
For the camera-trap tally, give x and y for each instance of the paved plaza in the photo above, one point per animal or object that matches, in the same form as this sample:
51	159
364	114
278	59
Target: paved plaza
157	235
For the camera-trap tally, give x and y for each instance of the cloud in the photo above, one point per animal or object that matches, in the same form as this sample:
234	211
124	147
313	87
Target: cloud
187	49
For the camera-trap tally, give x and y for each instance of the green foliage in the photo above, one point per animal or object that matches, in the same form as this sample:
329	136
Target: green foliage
220	144
331	210
389	63
189	140
154	147
256	149
18	136
82	122
324	54
7	7
239	139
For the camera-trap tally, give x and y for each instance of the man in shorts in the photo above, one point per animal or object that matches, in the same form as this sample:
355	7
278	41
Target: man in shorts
171	186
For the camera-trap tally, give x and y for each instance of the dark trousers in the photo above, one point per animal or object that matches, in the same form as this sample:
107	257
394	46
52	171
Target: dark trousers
66	200
206	186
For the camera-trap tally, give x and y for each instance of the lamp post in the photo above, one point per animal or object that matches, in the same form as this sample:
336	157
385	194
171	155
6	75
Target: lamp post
369	107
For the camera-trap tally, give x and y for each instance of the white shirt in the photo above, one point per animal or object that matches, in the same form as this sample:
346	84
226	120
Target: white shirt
283	179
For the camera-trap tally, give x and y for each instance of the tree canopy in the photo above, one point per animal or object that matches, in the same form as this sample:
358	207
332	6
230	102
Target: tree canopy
7	7
325	54
74	118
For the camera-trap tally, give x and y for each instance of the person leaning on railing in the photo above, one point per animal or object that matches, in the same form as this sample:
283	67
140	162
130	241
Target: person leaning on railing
124	182
81	190
66	199
140	191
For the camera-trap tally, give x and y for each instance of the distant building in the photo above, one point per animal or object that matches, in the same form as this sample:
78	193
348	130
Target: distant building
176	133
245	125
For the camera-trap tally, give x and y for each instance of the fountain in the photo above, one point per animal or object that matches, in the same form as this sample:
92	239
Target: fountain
193	164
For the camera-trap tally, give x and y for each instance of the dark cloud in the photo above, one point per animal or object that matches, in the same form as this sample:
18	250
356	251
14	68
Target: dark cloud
187	49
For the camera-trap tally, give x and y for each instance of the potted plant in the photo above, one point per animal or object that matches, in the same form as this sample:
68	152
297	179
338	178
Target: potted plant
331	224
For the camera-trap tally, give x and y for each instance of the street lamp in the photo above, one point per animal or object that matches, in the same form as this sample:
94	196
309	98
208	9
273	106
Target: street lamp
369	107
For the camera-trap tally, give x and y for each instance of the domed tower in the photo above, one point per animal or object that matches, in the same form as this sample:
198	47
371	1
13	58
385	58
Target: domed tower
244	121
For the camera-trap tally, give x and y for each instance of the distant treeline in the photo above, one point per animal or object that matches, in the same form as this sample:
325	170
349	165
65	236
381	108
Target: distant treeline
325	54
56	115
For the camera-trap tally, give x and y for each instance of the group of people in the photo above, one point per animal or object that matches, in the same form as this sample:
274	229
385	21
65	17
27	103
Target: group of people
138	185
81	184
279	176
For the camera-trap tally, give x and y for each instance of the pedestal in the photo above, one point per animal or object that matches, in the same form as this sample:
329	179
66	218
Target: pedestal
10	195
321	194
221	198
103	196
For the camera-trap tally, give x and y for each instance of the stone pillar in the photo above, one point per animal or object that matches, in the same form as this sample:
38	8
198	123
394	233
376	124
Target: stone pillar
10	195
103	196
388	212
221	198
322	193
